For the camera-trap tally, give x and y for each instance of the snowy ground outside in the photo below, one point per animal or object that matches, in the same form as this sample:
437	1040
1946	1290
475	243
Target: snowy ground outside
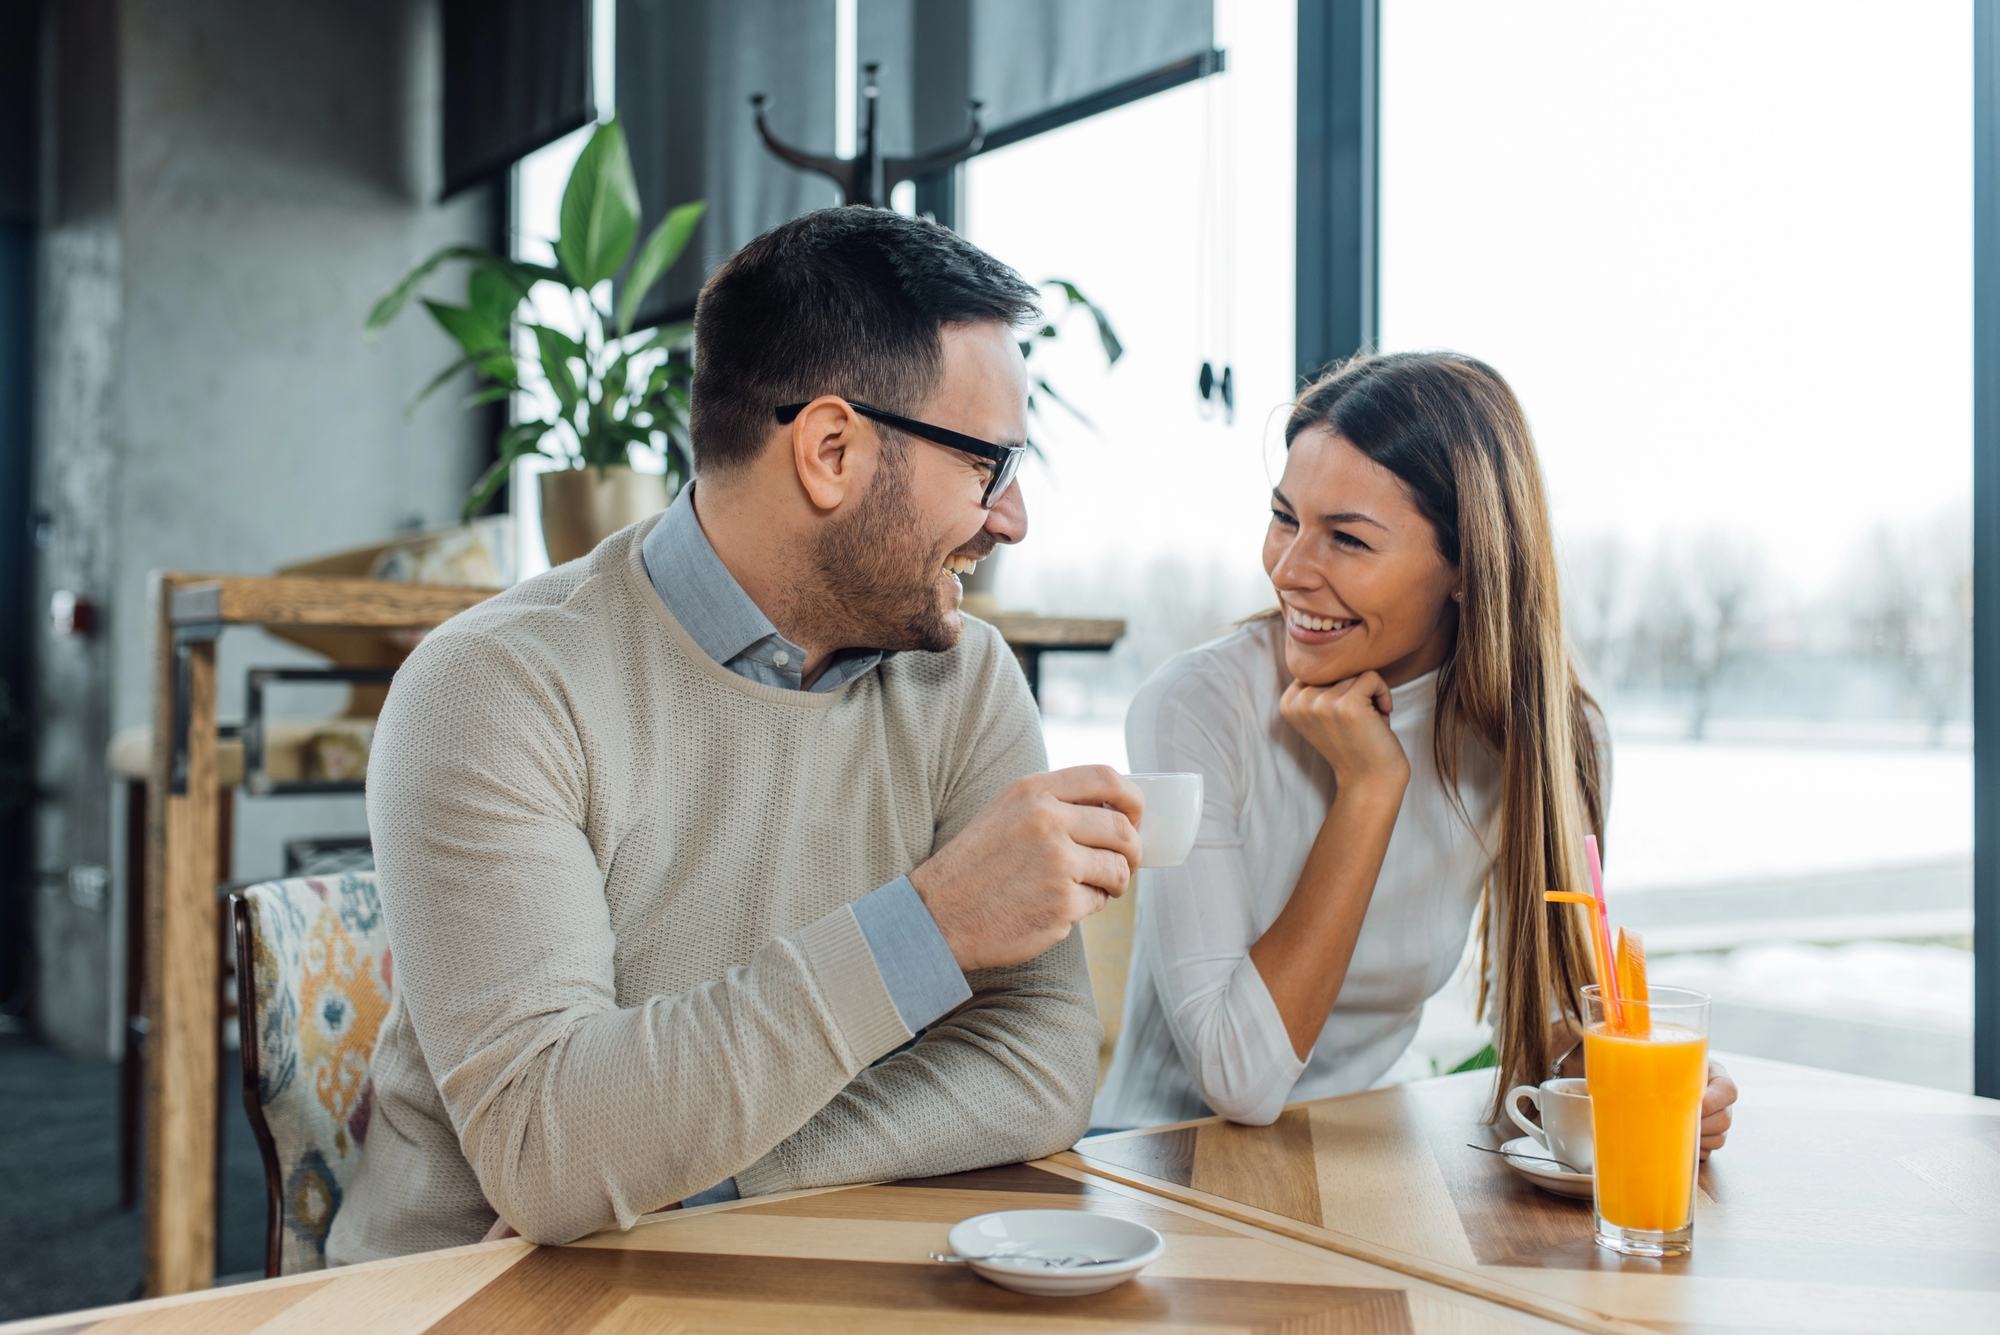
1771	869
1693	813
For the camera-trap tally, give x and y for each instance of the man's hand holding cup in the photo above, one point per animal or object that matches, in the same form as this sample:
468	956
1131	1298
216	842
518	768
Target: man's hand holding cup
1047	852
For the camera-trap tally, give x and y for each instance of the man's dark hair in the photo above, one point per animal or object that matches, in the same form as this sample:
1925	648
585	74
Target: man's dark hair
846	301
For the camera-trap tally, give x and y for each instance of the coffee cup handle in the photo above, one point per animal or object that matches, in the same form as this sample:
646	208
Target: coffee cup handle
1534	1096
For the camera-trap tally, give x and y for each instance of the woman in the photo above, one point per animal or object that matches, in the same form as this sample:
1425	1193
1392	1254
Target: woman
1404	732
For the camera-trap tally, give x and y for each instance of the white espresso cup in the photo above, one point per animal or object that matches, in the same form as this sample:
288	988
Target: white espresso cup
1172	815
1565	1109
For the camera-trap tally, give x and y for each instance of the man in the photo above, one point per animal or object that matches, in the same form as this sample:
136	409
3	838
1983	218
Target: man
724	855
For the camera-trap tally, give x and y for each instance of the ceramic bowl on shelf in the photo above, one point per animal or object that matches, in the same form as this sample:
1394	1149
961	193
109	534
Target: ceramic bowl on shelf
1055	1252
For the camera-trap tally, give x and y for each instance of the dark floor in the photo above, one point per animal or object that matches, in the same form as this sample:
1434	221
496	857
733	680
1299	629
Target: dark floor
64	1243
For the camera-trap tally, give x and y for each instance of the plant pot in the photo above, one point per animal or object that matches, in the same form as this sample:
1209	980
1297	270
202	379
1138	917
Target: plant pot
581	507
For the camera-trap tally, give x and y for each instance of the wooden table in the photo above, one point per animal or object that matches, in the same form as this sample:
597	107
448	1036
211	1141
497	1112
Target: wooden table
1839	1204
848	1259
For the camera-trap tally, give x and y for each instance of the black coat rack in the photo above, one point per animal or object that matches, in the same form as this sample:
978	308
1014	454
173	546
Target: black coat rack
868	177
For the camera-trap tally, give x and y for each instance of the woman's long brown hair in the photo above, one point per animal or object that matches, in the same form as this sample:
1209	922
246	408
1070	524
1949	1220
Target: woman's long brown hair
1452	431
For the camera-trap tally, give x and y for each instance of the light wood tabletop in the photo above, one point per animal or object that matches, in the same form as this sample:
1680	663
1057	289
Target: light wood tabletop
1839	1204
848	1259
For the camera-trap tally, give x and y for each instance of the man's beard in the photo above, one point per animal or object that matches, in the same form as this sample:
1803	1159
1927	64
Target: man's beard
878	576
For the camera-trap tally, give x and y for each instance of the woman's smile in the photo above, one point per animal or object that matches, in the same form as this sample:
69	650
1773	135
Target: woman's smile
1305	628
1356	567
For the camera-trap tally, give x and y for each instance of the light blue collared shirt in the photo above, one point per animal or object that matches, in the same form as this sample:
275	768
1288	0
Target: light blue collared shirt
712	608
922	978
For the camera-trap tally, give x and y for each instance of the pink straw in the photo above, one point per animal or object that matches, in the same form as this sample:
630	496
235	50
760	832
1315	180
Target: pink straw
1614	1003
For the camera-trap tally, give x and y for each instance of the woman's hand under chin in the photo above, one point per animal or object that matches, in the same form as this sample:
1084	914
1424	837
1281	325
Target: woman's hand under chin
1348	723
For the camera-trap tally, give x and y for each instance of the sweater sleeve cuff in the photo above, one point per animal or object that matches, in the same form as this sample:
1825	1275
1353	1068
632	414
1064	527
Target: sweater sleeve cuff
916	963
845	971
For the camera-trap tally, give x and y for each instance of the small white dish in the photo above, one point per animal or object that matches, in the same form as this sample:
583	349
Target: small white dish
1056	1253
1541	1172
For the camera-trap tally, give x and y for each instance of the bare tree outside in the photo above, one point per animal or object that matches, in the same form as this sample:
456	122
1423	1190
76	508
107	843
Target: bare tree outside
1911	600
1598	573
1703	628
1727	586
1659	640
1696	630
1169	604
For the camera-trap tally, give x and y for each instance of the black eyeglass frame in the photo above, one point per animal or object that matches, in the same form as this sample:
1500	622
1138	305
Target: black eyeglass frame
1006	459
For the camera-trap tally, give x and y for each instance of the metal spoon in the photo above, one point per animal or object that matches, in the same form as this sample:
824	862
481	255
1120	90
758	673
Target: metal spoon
1538	1158
1045	1262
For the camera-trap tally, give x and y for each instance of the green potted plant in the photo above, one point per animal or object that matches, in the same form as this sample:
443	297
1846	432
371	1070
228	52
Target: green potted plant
1050	331
603	391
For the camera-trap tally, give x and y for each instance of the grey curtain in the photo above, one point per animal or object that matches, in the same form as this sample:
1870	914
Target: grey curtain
1025	60
516	77
687	68
1031	58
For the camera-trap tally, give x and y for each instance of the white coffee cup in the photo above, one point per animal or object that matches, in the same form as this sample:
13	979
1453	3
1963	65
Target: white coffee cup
1172	816
1565	1130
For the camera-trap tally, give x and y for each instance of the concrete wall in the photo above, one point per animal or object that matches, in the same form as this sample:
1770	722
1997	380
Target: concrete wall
20	123
208	401
78	307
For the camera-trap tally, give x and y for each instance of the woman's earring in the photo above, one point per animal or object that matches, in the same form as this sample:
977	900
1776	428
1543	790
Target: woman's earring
1458	597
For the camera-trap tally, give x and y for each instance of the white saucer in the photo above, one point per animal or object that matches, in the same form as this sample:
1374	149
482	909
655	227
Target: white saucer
1059	1253
1542	1173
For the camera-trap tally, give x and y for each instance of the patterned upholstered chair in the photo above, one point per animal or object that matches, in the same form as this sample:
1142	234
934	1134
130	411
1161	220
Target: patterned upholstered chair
313	970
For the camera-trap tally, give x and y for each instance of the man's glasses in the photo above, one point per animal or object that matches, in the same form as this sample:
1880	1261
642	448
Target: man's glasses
1004	460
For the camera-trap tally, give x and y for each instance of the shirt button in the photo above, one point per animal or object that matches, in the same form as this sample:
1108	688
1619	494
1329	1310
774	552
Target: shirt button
781	658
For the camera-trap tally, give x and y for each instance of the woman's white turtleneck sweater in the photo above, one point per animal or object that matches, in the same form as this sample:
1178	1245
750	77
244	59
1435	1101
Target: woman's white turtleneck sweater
1201	1033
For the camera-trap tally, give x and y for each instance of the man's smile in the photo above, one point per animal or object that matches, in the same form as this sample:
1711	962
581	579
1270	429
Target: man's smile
959	566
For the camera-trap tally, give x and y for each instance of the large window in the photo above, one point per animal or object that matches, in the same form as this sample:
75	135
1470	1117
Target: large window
1723	252
1175	215
534	221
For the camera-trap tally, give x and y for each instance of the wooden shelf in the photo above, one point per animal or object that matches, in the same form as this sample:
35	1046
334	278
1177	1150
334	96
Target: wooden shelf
183	922
332	604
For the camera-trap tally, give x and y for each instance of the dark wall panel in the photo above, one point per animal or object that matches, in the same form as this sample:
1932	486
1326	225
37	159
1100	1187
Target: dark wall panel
516	76
1337	209
21	44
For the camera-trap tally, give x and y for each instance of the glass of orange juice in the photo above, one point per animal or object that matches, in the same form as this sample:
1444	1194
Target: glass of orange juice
1646	1077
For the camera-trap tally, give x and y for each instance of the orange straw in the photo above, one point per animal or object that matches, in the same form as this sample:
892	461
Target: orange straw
1632	983
1606	969
1613	996
1600	934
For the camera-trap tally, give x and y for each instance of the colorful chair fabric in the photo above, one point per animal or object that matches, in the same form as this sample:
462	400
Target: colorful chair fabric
313	973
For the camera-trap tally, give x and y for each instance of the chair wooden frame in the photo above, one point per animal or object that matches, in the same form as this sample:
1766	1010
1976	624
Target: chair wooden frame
253	1107
189	613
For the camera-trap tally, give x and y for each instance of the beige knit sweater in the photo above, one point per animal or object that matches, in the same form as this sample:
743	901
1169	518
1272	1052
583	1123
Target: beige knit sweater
616	880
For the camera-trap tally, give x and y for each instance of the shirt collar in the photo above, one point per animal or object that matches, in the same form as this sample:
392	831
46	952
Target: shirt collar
698	589
715	612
